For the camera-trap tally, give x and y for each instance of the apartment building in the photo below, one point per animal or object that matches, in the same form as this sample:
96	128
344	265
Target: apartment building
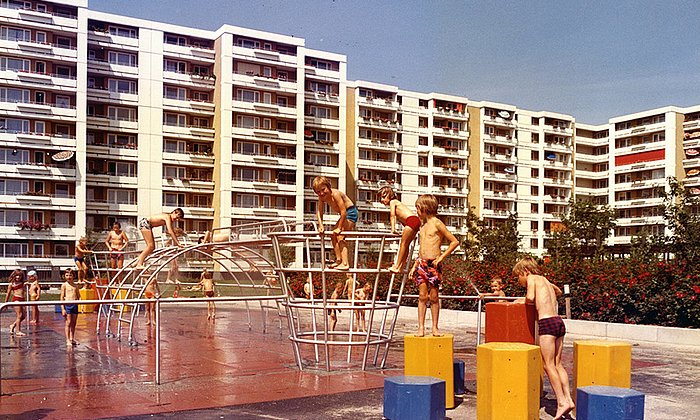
105	122
416	143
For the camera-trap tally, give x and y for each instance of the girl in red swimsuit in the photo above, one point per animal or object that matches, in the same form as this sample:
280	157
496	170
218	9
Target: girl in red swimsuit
16	289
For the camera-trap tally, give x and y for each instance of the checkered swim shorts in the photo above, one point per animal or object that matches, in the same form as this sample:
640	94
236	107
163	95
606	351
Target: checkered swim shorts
552	326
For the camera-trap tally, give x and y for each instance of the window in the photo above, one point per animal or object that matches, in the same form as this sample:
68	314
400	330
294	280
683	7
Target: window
247	121
200	96
247	43
15	34
120	196
61	218
121	58
246	95
171	92
175	40
121	86
14	64
62	101
60	250
121	139
321	136
61	190
40	67
247	200
121	114
122	168
282	101
177	120
177	172
62	72
39	127
13	186
247	148
246	174
175	66
13	125
40	37
319	160
174	200
121	31
200	122
12	217
321	112
14	95
175	146
320	64
39	97
63	42
203	70
320	87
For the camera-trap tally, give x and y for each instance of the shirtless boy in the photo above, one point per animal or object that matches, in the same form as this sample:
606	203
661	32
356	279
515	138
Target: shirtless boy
333	313
496	290
34	295
339	202
543	295
362	294
69	291
116	242
146	226
427	268
206	283
410	222
80	252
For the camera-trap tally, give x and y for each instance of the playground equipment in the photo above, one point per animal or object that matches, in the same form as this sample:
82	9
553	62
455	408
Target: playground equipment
317	333
236	253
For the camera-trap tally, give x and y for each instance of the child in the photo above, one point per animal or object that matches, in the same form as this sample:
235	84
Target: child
543	295
146	226
339	202
152	291
308	288
496	290
427	266
116	242
206	283
362	294
410	221
16	289
34	295
80	252
337	293
70	291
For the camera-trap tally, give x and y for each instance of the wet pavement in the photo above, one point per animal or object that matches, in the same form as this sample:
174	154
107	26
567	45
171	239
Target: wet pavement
222	369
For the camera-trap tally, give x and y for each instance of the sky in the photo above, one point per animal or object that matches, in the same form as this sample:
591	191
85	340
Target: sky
594	60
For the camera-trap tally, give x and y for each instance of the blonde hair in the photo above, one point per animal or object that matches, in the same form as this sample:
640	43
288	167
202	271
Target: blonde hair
319	182
428	204
388	191
527	265
83	239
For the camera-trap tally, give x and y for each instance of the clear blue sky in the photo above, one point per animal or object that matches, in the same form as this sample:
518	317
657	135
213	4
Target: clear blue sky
590	59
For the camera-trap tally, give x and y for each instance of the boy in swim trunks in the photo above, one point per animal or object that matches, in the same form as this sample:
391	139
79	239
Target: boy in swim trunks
152	291
116	242
70	291
543	295
80	252
206	283
427	268
339	202
410	222
333	313
146	226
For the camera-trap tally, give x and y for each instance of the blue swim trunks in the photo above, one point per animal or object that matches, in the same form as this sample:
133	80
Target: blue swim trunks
71	309
351	214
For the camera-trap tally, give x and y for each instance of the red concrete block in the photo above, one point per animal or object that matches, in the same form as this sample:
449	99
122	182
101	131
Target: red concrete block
510	322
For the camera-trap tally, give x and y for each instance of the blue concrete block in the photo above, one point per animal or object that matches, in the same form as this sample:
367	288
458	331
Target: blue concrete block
414	398
458	366
609	403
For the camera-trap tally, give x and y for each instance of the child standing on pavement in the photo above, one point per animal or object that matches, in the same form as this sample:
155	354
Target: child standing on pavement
34	295
543	295
69	291
410	222
206	283
427	268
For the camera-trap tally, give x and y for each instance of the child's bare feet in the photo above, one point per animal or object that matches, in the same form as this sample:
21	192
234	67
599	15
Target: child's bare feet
208	316
436	332
342	267
563	410
394	269
335	264
32	322
19	333
69	343
148	322
421	332
12	328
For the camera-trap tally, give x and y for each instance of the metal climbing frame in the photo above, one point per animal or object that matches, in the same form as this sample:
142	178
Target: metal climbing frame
238	256
306	331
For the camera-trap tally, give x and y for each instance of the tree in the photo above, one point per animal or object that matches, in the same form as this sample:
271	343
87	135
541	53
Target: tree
501	243
682	219
585	227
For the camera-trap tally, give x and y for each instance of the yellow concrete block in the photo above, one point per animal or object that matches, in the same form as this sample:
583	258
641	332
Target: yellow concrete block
431	356
86	294
600	362
508	381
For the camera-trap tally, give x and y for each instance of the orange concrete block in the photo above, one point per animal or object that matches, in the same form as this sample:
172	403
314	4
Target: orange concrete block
510	322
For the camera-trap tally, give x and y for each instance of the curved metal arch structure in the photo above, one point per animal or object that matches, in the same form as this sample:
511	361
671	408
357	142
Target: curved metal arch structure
240	263
381	311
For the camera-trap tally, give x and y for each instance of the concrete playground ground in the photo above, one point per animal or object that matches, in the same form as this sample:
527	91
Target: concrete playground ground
223	369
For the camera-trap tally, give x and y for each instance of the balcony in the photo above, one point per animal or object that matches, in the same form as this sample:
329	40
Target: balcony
190	52
255	81
264	56
250	185
106	68
42	18
42	80
257	133
102	121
